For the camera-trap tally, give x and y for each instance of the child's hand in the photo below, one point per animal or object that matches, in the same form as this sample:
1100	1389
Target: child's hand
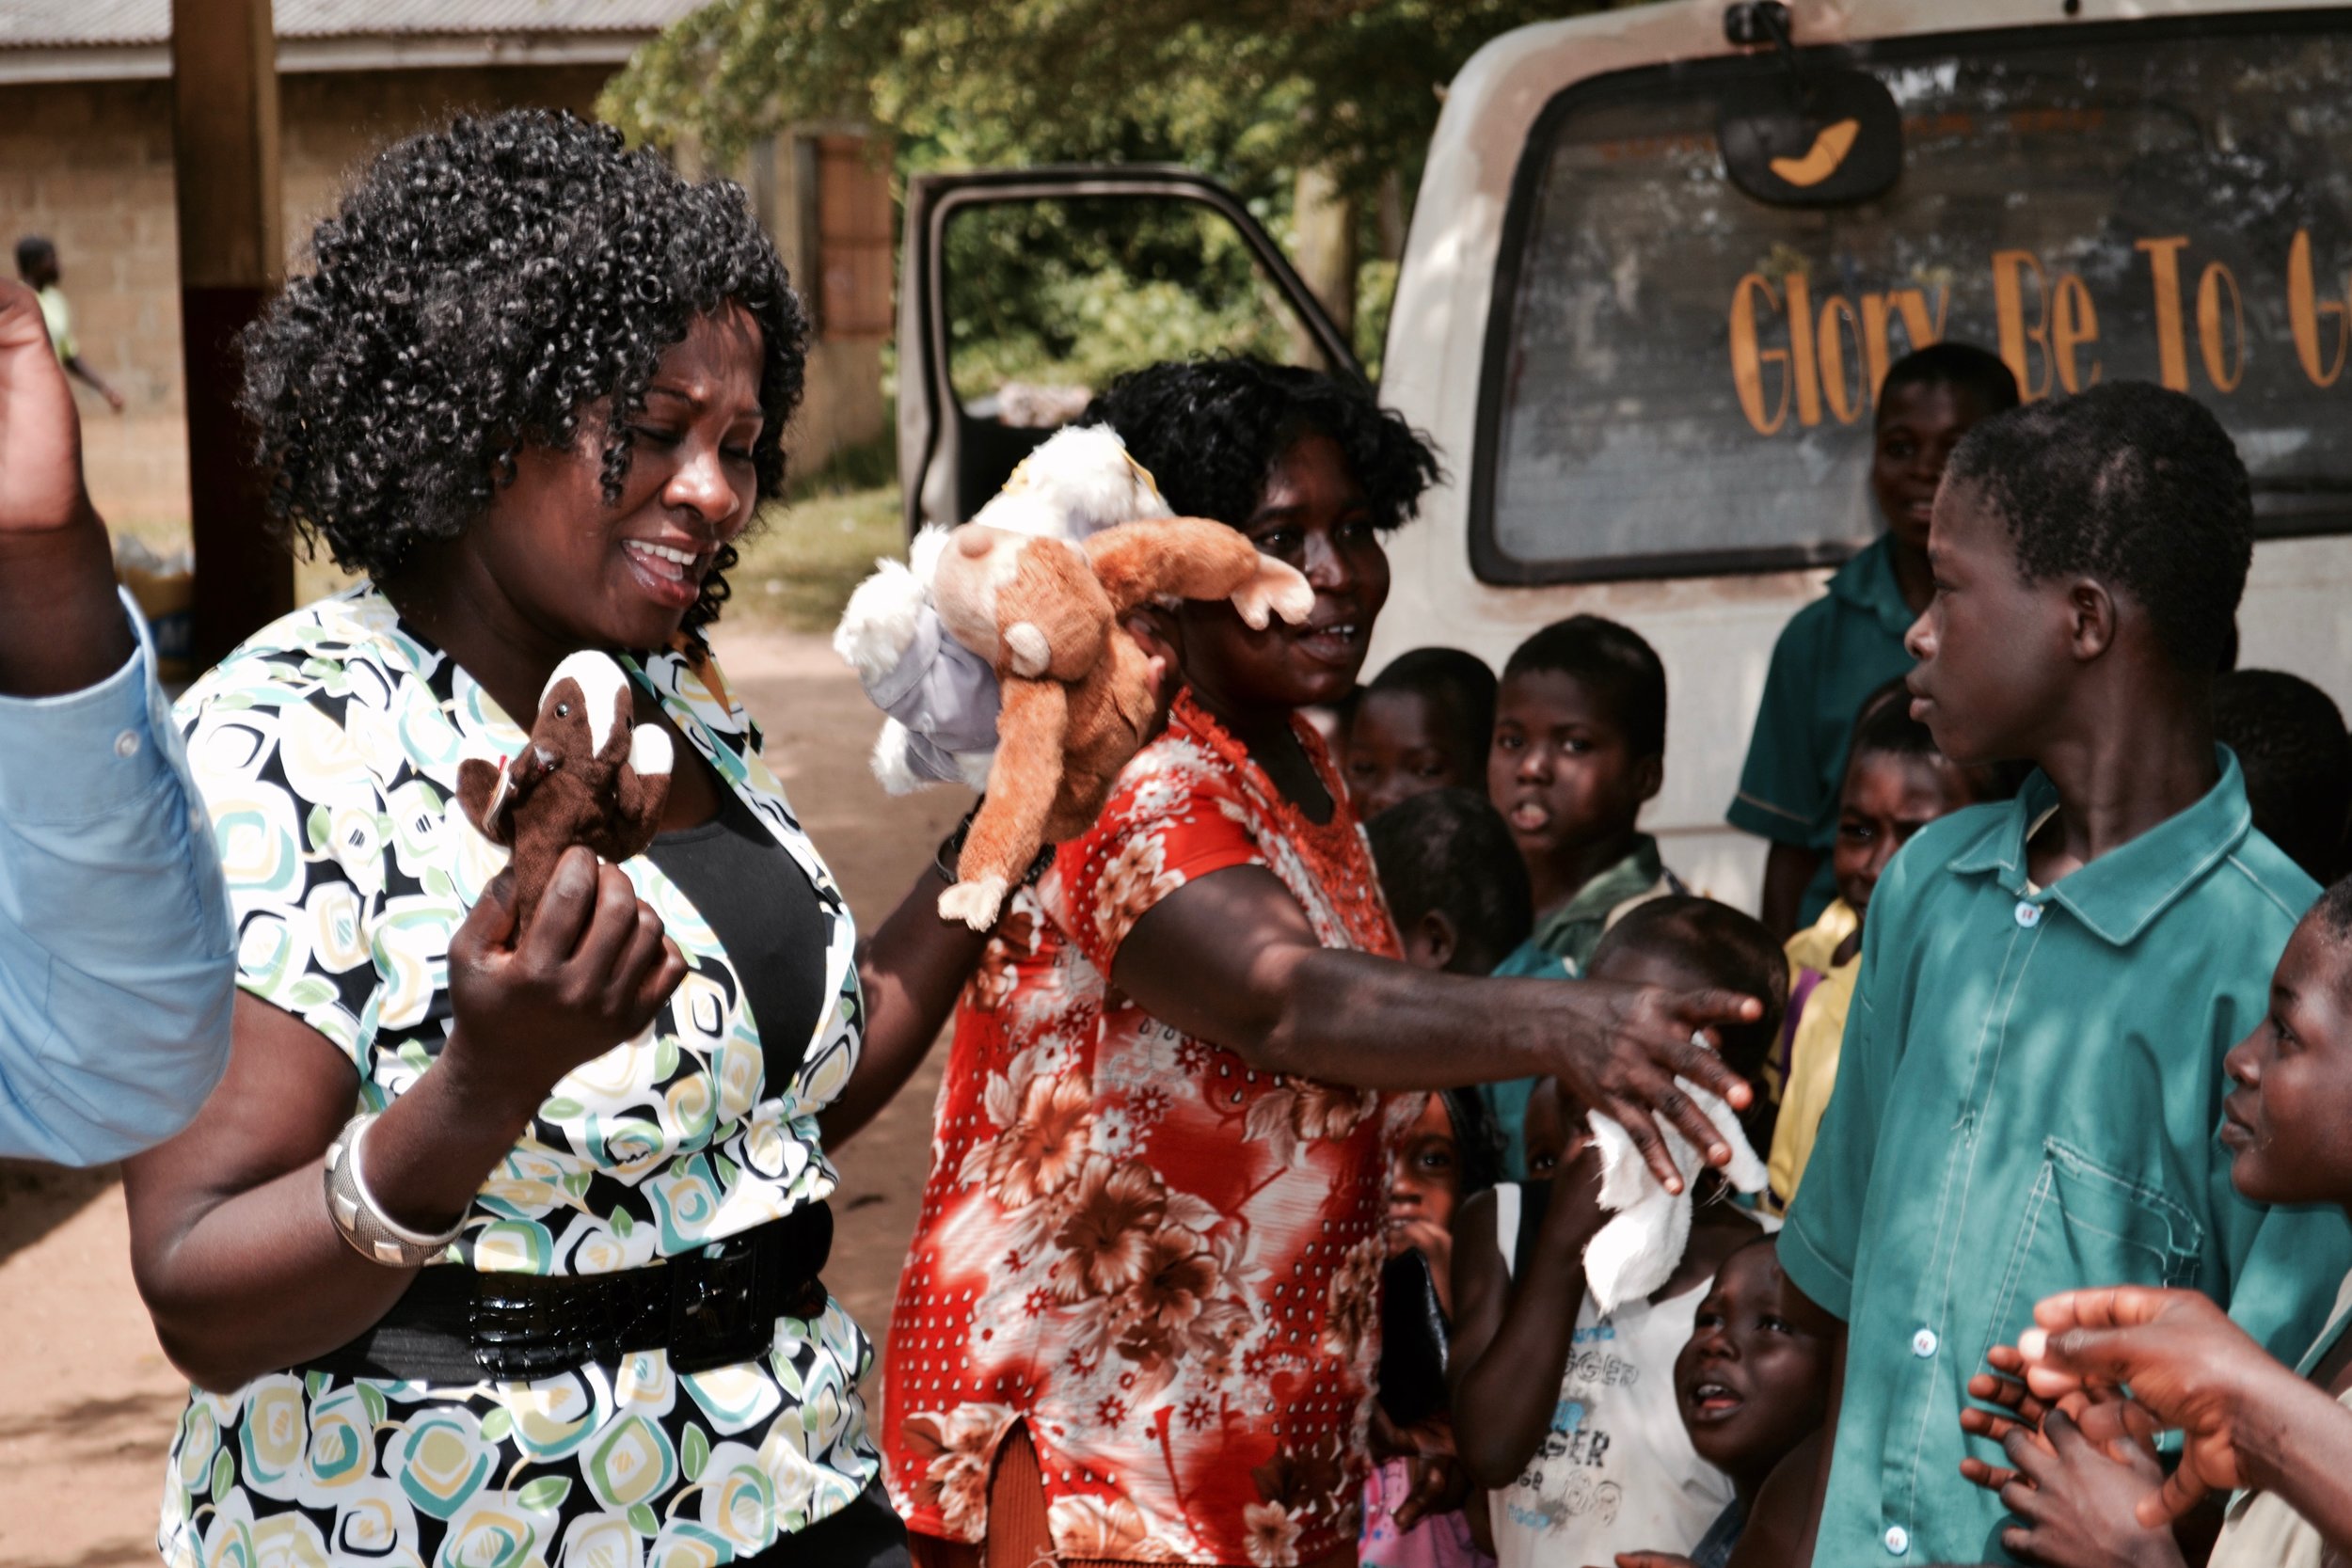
2187	1365
2079	1501
2004	1387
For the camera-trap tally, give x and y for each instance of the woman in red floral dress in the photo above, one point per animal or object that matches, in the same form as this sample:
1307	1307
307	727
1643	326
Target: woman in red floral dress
1138	1320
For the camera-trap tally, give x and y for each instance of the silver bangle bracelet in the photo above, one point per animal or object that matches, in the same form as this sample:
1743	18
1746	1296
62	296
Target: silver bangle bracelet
372	1233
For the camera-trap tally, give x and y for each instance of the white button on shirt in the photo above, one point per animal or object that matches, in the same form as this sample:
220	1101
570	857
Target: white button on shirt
1923	1343
1898	1540
127	745
2028	914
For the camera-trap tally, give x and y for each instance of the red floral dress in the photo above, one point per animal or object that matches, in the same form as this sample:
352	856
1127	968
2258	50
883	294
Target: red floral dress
1162	1259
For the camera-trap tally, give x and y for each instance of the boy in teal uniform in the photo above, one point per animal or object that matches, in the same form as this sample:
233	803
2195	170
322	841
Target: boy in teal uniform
1580	747
1843	646
2030	1089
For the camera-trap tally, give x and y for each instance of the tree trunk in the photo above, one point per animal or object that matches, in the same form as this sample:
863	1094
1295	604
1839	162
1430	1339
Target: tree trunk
1324	222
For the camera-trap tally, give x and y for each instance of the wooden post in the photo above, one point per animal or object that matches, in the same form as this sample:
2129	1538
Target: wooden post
224	117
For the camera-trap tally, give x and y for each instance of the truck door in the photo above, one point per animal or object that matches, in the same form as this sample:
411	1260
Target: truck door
1023	290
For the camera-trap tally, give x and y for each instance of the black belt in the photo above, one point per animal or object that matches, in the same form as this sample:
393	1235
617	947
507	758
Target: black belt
715	1307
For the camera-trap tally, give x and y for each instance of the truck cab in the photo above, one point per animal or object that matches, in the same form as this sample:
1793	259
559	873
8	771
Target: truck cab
1646	326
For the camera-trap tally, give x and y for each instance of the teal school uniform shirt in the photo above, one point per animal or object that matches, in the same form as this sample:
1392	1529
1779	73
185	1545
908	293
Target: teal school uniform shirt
1832	653
2028	1101
1560	947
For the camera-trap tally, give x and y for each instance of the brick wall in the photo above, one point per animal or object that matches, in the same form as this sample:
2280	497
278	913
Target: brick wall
90	166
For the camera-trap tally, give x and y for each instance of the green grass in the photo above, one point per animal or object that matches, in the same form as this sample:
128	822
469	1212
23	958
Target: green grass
805	555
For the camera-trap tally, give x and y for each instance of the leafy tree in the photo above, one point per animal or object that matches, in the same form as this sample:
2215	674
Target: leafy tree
1254	90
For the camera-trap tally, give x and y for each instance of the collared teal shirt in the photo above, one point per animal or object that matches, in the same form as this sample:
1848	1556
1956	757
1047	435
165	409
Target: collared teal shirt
1561	946
2028	1102
1832	653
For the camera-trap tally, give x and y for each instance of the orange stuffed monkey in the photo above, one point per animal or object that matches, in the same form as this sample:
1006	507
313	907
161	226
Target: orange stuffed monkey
1077	692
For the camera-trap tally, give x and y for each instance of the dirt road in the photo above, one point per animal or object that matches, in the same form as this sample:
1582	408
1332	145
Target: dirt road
88	1402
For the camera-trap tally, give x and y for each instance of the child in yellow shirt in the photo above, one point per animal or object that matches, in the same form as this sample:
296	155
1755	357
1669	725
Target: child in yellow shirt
1896	783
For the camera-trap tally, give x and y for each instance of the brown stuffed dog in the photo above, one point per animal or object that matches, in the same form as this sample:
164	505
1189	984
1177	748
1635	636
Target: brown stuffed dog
1077	694
587	777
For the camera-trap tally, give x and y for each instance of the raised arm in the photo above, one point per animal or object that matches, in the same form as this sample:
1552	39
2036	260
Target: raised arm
1506	1366
61	626
1231	959
240	1265
107	1045
912	969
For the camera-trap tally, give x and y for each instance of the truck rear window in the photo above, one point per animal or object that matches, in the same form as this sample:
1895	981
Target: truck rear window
1679	378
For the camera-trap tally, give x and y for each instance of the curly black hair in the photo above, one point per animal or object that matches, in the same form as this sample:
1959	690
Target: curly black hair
1211	430
2132	483
479	290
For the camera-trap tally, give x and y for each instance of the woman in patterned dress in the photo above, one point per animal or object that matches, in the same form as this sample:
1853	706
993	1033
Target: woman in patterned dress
1137	1323
533	390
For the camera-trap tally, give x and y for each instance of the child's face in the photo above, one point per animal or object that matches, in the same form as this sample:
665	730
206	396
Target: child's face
1994	649
1555	1131
1398	746
1917	427
1425	1177
1885	800
1561	770
2283	1124
1753	1377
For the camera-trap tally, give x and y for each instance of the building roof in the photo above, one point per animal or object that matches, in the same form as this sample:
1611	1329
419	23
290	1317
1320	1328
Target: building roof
95	40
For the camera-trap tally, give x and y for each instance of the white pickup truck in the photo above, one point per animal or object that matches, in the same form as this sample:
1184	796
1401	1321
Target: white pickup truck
1650	369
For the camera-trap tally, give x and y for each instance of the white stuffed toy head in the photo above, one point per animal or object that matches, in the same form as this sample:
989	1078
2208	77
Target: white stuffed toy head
942	698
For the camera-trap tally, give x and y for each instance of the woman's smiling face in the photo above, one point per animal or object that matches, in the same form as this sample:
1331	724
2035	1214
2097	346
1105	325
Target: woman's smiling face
586	572
1313	514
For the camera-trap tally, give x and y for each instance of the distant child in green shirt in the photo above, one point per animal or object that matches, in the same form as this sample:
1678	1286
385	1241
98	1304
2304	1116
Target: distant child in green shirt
37	263
2030	1089
1422	723
1836	650
1580	747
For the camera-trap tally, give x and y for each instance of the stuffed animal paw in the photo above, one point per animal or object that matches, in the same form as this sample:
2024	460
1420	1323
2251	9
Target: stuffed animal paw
1278	589
974	903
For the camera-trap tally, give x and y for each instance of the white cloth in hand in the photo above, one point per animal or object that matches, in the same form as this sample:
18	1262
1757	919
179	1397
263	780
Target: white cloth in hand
1637	1250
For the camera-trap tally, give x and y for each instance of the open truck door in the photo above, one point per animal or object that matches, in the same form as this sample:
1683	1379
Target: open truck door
1024	290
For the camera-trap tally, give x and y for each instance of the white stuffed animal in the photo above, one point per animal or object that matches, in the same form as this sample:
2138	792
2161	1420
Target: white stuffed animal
1634	1253
941	697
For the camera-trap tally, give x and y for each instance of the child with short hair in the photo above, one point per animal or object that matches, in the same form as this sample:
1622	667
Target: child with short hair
1564	1411
1458	894
1422	723
1851	640
2275	1435
1454	881
2291	744
1896	783
2031	1077
1753	1387
1580	747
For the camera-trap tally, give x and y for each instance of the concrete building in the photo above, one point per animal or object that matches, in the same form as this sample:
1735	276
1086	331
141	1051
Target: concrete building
85	159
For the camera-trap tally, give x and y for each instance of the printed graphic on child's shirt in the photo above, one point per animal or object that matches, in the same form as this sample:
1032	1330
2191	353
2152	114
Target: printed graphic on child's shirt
1617	1472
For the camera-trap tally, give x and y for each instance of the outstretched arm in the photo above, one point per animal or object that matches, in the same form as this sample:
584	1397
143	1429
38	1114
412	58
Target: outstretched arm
1230	958
1509	1356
